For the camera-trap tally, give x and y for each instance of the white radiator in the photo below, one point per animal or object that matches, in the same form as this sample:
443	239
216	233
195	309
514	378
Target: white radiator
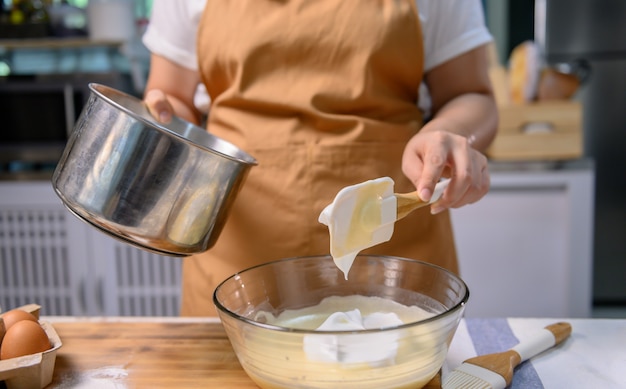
49	257
34	260
146	284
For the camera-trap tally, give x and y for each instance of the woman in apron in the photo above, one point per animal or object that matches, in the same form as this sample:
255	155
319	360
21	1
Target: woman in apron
326	94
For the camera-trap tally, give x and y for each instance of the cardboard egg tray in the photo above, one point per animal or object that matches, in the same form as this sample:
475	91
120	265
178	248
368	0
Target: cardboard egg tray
32	371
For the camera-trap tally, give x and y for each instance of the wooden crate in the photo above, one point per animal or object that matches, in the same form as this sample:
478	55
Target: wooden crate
518	138
547	130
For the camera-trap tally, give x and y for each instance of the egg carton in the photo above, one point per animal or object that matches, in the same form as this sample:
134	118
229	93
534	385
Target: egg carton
35	370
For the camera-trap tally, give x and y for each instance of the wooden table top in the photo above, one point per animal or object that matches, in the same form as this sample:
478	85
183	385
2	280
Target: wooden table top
147	353
150	354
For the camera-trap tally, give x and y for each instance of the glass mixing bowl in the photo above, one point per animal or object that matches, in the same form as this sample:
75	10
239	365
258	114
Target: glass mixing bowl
274	356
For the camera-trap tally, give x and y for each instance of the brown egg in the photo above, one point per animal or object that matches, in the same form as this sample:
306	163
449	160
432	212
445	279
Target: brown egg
24	338
13	316
3	330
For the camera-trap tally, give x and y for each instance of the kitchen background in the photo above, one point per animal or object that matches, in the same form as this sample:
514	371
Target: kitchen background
549	239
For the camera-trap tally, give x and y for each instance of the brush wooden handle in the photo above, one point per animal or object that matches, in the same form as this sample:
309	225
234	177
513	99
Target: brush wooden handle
501	363
560	331
543	340
3	329
504	363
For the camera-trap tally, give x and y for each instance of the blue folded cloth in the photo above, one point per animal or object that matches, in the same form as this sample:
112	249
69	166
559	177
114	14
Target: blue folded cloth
495	335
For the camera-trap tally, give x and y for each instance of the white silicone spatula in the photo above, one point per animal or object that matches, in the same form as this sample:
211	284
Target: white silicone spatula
363	215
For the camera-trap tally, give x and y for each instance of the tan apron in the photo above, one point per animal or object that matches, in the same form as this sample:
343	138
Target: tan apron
323	93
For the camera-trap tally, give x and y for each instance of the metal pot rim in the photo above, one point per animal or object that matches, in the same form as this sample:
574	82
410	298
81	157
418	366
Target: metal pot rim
179	128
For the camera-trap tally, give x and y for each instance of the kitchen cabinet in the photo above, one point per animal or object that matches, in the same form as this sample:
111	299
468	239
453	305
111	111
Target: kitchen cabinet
525	250
50	257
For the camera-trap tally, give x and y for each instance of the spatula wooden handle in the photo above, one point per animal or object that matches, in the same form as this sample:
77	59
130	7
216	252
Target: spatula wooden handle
407	203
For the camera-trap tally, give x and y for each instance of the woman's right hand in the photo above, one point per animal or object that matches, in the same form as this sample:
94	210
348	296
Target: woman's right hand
158	105
170	91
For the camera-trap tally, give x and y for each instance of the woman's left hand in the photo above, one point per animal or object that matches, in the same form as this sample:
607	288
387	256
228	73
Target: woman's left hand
464	123
433	154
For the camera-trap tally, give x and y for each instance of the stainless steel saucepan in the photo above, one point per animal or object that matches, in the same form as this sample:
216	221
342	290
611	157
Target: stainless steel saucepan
163	188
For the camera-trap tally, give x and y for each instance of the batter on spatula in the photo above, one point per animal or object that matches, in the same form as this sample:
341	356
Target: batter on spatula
363	215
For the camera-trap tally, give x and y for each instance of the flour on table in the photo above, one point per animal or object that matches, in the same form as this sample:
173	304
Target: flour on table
109	377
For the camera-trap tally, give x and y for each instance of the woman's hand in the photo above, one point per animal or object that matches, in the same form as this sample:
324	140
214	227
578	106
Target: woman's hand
464	124
158	105
433	154
170	91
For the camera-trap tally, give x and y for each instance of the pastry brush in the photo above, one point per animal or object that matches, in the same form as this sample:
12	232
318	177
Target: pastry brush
495	371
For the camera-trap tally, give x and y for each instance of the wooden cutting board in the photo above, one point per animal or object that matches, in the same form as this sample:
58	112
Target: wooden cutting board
171	353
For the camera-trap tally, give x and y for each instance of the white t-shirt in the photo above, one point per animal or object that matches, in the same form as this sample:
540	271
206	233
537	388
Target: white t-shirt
449	28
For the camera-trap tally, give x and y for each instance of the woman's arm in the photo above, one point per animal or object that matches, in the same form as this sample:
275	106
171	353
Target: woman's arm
463	125
461	92
170	90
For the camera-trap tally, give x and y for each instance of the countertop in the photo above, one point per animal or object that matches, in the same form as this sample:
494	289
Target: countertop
145	353
116	352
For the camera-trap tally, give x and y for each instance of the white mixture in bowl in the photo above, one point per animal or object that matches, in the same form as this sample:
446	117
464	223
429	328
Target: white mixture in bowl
350	313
